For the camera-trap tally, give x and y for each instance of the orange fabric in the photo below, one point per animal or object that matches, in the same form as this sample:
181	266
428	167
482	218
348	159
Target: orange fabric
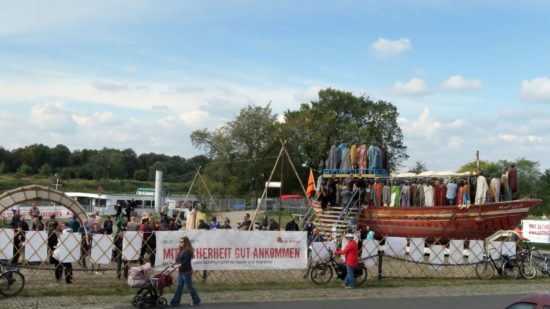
310	184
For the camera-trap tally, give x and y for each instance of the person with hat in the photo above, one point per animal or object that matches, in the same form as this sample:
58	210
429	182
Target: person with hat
352	260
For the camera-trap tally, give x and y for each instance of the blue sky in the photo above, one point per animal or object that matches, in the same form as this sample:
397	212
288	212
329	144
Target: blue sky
143	74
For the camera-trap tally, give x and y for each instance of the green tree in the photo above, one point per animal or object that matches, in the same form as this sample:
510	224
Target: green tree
2	167
418	167
241	145
140	174
25	170
340	116
544	194
45	170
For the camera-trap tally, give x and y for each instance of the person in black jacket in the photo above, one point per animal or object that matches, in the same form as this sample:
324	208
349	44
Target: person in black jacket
185	273
292	225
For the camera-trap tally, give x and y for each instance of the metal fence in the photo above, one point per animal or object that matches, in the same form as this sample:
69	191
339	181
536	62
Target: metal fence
91	263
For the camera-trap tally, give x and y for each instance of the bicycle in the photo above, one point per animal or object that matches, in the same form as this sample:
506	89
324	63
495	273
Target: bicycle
534	262
322	273
11	280
505	266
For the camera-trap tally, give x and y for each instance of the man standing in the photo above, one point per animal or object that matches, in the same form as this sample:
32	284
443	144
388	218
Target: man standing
352	260
292	225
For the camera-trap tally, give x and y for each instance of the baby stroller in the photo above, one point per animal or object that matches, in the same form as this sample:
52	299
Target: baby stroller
150	288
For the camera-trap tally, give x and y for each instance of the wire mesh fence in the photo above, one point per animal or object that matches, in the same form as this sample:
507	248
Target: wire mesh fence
92	257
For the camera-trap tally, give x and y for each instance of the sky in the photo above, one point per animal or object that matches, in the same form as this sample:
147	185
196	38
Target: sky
464	75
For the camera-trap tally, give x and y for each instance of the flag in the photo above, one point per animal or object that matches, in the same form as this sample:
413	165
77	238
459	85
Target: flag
310	184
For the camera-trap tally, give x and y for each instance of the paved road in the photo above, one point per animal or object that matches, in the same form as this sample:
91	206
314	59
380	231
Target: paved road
447	302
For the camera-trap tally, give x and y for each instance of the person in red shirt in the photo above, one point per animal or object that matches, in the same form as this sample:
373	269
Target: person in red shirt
352	260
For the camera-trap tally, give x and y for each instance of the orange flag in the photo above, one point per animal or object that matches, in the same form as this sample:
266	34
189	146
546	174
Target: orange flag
310	184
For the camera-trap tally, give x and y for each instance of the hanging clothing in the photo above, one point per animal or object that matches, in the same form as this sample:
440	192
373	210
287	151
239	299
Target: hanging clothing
386	195
372	155
442	192
341	148
413	195
481	190
421	195
378	157
334	157
437	198
362	157
346	159
466	194
353	155
405	196
429	196
396	196
513	179
505	187
385	158
494	190
459	195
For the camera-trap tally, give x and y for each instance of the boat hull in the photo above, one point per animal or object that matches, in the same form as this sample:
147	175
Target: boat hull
447	222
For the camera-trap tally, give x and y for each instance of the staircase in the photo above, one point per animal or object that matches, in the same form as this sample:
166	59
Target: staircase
334	216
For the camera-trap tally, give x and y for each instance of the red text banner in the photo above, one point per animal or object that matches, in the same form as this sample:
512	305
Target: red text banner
236	250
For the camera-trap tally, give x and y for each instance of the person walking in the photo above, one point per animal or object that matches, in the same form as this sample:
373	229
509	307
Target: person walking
352	260
185	273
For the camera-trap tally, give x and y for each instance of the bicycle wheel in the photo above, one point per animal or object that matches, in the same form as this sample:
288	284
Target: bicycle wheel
11	283
510	272
360	279
321	274
485	270
527	270
538	259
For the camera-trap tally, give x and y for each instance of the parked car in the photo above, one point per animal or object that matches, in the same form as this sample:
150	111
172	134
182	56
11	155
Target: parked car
531	301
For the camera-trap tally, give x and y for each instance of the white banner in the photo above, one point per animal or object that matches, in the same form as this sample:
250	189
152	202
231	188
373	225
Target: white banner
320	250
369	255
475	251
396	246
102	249
6	244
236	250
416	249
456	251
36	246
68	248
536	231
437	256
131	245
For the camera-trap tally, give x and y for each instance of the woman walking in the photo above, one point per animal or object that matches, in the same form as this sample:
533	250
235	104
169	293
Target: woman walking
185	273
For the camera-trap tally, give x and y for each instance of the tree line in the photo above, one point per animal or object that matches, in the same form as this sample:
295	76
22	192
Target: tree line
106	163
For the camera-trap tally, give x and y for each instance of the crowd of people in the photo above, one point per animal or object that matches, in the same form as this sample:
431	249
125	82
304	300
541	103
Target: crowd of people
418	192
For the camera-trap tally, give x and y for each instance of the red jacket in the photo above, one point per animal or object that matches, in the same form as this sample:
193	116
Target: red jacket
352	253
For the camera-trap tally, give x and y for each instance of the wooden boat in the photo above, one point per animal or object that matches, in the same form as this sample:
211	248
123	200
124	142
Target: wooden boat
448	222
441	222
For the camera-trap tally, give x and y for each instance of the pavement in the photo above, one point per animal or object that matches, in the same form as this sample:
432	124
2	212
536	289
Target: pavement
478	288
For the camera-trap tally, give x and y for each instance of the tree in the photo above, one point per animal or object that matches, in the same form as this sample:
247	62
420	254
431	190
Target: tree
25	170
340	116
419	167
140	174
45	170
240	145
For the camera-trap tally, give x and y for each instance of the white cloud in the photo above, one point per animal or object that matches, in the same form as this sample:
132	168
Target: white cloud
537	89
425	125
51	116
508	137
455	142
387	48
194	118
414	87
457	123
459	83
534	138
